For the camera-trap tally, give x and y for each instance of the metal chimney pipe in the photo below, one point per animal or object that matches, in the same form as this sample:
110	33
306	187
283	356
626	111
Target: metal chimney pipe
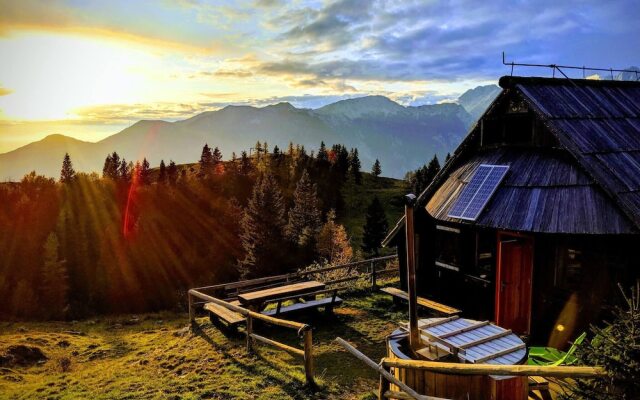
414	335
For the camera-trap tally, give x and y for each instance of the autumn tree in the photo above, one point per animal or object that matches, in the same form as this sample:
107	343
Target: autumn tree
67	174
55	284
375	228
304	217
262	230
376	170
332	243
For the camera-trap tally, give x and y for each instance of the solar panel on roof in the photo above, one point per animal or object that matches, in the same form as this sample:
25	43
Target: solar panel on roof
478	191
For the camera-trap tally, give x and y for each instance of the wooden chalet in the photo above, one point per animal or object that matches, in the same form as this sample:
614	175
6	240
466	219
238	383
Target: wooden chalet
536	217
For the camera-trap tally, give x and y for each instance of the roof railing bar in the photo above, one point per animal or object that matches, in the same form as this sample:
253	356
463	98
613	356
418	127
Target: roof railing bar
610	70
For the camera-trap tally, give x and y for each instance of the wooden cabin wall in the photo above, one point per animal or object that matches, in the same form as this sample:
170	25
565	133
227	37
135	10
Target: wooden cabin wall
575	283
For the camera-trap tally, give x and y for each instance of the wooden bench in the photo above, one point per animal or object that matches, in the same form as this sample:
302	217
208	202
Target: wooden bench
540	384
220	313
430	304
328	303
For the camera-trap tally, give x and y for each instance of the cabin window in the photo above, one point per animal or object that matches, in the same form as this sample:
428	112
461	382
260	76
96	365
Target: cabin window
569	267
484	265
448	245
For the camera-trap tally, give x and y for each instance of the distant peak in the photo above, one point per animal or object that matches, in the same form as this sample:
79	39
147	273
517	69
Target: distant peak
283	105
57	137
360	106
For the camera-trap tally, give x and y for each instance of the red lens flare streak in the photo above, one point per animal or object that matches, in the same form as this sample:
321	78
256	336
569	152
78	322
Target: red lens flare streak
128	221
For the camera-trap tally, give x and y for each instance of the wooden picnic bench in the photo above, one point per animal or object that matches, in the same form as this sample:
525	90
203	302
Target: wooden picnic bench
255	300
424	302
328	302
220	313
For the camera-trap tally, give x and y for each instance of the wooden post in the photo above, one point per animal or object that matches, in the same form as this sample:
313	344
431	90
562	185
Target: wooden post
192	316
249	332
373	275
308	357
384	384
414	334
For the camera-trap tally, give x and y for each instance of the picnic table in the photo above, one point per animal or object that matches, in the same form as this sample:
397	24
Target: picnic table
255	300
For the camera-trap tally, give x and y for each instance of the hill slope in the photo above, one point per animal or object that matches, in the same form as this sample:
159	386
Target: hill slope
155	356
401	137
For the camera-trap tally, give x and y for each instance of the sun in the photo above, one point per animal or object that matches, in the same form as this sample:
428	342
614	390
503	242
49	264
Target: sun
49	75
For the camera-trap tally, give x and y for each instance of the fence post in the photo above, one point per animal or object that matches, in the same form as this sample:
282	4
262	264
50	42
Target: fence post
191	310
249	332
308	356
384	384
373	275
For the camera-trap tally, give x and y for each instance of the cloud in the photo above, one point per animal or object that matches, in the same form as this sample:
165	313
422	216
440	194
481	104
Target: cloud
122	113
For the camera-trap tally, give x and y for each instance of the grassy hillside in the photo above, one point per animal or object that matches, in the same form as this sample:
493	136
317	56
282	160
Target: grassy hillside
157	356
358	197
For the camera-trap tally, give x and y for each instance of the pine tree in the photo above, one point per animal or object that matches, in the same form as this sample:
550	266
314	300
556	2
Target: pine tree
376	170
216	160
124	171
67	174
162	175
304	217
276	151
145	172
262	230
447	158
322	153
245	163
333	243
113	167
172	173
616	348
55	285
107	166
375	228
354	166
206	161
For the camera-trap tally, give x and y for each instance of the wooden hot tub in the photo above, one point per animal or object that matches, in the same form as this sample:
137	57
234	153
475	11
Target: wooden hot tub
471	344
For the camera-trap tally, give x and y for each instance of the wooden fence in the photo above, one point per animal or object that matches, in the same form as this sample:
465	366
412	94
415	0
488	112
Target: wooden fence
303	330
223	293
369	268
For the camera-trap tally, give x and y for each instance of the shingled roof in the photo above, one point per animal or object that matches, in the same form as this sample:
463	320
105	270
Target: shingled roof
598	124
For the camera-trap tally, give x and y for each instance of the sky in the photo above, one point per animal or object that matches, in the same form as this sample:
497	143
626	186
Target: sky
88	69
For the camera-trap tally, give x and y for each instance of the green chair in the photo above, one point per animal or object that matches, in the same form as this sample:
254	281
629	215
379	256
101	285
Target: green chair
553	357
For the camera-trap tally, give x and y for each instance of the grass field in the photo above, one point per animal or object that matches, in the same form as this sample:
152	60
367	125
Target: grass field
158	356
357	197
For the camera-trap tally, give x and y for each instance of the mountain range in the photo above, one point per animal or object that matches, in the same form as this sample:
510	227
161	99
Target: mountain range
403	138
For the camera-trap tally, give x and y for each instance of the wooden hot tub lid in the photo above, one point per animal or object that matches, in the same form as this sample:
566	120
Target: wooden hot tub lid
471	341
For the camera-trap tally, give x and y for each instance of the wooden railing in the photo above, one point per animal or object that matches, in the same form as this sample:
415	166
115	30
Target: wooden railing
303	330
369	268
386	376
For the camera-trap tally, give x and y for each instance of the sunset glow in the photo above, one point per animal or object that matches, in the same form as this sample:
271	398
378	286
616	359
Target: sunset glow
88	70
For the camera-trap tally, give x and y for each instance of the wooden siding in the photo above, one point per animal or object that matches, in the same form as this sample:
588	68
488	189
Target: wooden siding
543	192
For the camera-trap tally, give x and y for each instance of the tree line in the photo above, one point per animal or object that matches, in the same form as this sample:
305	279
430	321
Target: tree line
135	238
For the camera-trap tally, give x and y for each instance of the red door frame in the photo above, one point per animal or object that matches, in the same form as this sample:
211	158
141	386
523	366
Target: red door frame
501	235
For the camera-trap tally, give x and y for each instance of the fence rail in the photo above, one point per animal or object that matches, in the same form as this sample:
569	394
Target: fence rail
303	330
231	290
